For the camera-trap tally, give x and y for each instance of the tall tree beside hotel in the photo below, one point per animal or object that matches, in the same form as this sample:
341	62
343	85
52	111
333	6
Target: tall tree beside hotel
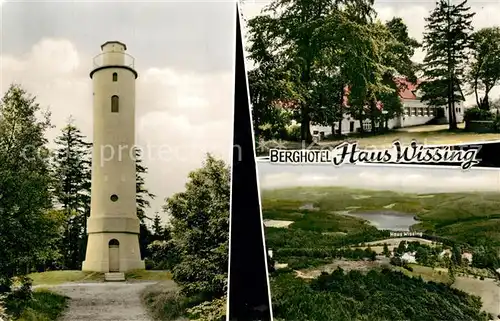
402	70
446	41
484	72
269	85
27	227
294	29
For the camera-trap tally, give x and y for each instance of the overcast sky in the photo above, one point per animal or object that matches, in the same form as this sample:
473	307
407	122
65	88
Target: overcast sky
380	177
184	54
413	13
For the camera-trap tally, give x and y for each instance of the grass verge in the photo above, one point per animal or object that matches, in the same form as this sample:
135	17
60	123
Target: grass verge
148	275
58	277
45	306
164	302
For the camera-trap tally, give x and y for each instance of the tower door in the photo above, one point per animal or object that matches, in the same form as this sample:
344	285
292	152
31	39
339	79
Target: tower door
114	256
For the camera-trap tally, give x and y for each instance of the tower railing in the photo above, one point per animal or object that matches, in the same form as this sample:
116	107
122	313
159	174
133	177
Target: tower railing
113	58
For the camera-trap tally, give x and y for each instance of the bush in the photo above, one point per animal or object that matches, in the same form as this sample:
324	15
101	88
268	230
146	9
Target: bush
209	311
17	300
165	305
293	133
45	306
3	311
496	123
476	113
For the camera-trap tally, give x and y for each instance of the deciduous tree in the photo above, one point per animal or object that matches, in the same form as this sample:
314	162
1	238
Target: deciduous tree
484	72
200	230
26	227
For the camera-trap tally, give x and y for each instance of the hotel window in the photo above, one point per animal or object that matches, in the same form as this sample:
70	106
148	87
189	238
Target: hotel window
115	104
431	111
413	111
407	111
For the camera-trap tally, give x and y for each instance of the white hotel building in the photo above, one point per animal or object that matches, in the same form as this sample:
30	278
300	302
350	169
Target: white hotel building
415	113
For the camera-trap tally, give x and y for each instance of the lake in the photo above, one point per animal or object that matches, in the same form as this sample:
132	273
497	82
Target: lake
387	220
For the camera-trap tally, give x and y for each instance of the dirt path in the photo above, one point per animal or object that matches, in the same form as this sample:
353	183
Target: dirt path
104	301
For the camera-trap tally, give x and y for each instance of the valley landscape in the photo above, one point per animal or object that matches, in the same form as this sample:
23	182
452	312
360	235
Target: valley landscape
351	254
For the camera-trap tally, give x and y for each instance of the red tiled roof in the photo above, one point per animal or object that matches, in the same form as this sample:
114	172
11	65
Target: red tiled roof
407	90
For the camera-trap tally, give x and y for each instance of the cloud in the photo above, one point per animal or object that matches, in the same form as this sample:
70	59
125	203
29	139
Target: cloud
419	180
180	115
287	179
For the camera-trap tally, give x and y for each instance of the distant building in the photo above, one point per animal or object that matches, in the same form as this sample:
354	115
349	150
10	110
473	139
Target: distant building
409	257
467	256
445	253
415	113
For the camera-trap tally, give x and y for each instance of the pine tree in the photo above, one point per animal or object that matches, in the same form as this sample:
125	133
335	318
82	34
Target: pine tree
142	194
157	227
386	251
446	41
456	256
142	201
72	171
401	247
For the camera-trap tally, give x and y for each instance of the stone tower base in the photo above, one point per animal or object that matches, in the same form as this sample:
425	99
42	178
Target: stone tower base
125	248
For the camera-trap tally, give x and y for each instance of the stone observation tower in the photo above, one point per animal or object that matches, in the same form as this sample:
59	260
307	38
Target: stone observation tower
113	226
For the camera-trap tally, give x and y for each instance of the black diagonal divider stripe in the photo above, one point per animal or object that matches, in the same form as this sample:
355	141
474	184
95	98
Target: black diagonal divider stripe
248	277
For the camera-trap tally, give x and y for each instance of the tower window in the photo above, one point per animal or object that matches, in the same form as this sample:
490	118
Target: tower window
115	104
115	76
114	198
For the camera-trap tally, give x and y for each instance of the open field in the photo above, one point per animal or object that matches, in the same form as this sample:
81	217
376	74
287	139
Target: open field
393	243
427	273
430	135
487	289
